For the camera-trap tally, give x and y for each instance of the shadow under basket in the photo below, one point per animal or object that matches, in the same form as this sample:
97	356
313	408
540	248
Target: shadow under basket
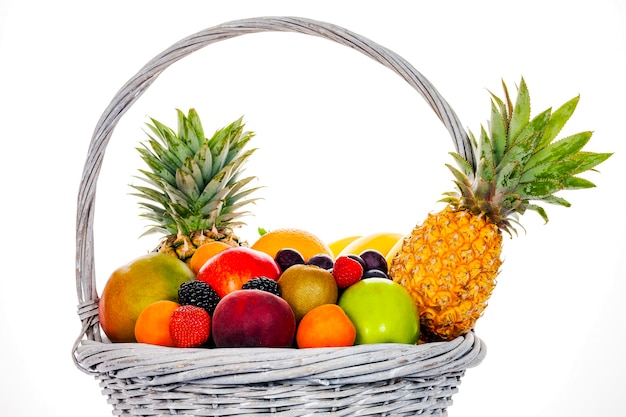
364	380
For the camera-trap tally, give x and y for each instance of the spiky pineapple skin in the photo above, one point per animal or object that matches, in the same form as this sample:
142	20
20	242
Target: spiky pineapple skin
449	265
183	247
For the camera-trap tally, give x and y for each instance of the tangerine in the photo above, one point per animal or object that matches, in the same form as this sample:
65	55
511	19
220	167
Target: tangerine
205	252
307	243
326	325
153	323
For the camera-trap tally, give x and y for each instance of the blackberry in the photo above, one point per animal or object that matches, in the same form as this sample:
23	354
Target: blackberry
263	284
199	294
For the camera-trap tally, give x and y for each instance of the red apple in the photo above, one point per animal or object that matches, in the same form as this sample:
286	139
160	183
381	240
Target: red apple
253	318
229	269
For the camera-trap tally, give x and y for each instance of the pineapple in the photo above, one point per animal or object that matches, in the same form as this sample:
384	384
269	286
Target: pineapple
449	264
195	187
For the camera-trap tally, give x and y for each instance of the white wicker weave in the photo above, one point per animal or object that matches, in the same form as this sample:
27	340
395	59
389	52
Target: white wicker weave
365	380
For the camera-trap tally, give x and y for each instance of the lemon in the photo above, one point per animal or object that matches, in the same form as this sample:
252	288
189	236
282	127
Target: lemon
337	246
382	242
392	252
305	287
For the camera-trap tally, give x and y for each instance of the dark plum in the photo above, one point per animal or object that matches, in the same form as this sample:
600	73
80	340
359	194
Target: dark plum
359	260
374	260
288	257
375	273
322	260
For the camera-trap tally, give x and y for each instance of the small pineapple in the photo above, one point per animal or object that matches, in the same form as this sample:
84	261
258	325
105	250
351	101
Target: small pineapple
195	187
449	264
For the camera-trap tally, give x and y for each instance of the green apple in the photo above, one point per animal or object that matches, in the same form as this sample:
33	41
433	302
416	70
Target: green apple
382	312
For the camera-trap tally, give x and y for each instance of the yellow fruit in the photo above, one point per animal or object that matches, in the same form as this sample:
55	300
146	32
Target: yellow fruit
450	263
338	245
303	241
305	287
382	242
132	287
449	266
392	252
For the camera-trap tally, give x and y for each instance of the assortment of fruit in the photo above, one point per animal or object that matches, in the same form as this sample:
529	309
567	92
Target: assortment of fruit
244	297
203	286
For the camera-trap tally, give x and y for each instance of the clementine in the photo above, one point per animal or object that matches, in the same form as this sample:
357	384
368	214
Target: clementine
204	252
326	325
153	324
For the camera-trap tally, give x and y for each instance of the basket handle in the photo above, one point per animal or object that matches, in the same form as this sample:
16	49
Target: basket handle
136	86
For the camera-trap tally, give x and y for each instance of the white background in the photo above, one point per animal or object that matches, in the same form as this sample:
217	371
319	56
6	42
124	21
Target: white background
345	147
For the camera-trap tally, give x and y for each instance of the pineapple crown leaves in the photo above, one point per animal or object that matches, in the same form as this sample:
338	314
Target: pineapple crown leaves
519	160
194	182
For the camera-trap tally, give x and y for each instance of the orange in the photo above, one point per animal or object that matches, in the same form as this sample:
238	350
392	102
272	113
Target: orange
204	252
303	241
325	326
153	324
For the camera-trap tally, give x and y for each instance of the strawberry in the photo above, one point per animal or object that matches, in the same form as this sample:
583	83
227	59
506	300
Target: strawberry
190	326
347	271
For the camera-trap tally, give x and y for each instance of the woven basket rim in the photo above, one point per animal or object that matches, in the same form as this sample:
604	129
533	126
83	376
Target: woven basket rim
359	364
90	344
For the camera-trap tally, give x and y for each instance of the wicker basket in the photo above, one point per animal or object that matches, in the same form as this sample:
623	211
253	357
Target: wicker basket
365	380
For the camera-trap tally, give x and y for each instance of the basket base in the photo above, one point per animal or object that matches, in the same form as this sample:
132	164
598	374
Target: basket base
387	379
395	397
